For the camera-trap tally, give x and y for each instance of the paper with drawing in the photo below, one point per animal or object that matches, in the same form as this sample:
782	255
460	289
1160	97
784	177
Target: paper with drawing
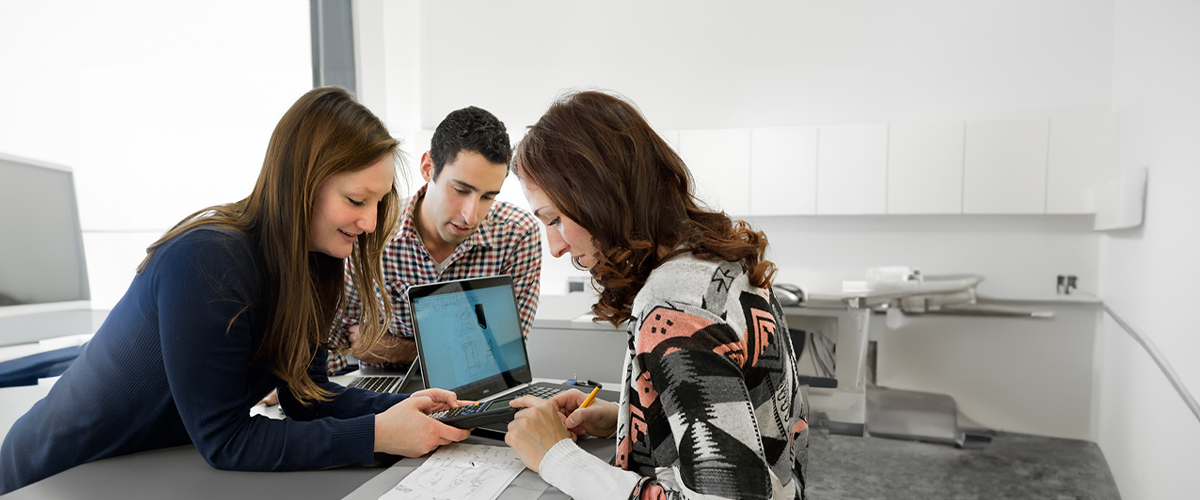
460	471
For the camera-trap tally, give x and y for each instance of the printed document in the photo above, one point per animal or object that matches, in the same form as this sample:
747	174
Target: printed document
460	471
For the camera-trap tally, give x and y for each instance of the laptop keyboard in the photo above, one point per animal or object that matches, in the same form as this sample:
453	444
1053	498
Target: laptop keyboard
540	391
389	384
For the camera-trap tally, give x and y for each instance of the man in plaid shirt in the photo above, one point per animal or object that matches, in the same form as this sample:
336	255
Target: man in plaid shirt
453	228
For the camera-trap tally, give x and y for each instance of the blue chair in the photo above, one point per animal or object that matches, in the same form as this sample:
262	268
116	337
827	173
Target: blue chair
27	370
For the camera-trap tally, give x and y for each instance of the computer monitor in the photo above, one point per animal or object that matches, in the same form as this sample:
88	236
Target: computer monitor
42	263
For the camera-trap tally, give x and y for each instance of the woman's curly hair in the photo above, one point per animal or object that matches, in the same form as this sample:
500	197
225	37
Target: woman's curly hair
603	166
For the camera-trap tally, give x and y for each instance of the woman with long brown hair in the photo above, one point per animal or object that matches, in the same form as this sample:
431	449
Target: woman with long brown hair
235	301
710	400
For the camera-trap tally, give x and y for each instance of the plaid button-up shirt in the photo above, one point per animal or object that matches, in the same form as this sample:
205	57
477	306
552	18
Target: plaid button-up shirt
506	242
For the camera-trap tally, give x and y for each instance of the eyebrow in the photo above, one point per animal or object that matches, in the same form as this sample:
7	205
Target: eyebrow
368	191
473	188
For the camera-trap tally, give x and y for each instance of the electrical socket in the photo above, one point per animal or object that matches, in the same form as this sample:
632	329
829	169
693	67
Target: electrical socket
1066	283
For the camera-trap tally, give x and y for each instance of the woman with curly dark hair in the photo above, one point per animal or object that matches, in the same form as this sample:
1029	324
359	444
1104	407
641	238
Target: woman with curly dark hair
710	403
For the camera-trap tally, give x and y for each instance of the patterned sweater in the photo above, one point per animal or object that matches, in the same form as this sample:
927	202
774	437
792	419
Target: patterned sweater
710	403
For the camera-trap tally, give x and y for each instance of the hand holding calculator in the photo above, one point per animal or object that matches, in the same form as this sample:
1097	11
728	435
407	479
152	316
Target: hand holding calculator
478	414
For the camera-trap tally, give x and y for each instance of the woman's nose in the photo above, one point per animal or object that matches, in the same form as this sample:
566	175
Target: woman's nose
558	246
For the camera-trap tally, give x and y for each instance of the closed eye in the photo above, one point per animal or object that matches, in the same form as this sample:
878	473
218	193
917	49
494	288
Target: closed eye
357	203
554	222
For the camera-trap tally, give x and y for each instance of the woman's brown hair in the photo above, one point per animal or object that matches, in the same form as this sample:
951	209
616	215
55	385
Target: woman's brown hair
325	132
602	166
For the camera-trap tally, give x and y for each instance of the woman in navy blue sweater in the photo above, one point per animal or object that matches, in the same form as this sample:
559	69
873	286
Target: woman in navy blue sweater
235	301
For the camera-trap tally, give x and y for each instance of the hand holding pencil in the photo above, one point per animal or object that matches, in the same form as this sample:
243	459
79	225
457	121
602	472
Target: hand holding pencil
544	423
592	416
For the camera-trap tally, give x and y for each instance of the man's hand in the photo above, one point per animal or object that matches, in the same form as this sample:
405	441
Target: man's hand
390	349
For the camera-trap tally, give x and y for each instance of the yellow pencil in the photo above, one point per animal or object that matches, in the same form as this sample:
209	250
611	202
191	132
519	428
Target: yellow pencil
591	397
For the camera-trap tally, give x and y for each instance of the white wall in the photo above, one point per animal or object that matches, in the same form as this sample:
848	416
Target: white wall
161	108
714	65
166	107
1023	375
1151	440
1018	255
702	65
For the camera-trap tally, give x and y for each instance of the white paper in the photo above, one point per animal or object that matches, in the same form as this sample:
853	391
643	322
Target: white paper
458	472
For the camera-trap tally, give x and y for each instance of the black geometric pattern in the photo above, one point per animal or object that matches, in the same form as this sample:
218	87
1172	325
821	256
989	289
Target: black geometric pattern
730	399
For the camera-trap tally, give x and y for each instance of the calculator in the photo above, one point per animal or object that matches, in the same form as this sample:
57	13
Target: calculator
478	414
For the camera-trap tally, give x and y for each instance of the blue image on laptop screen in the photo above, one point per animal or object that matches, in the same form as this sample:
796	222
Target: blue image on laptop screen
468	336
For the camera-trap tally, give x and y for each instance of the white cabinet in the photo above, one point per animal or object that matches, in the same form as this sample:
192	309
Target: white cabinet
1083	154
1026	166
1004	167
925	168
783	171
720	165
852	169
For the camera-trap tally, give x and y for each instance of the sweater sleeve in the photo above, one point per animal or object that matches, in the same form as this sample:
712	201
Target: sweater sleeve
347	402
584	476
693	360
692	381
200	283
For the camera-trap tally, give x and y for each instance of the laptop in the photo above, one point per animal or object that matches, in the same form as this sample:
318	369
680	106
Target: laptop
390	381
469	341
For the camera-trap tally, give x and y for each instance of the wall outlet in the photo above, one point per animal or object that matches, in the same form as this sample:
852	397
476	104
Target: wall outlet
577	284
1066	283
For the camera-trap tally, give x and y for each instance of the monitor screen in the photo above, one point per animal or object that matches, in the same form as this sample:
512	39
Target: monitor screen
469	334
42	262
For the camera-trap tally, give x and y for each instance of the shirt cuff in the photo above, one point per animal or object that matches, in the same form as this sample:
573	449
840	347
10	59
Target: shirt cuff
584	476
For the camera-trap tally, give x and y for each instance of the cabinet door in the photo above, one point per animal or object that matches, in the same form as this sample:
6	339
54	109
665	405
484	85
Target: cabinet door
720	165
852	169
1004	168
783	171
1083	154
925	168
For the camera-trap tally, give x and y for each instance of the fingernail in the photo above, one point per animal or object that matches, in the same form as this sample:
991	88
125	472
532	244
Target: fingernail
571	422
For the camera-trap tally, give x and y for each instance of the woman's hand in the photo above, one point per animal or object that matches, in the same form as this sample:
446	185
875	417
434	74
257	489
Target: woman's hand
444	399
406	429
535	429
599	419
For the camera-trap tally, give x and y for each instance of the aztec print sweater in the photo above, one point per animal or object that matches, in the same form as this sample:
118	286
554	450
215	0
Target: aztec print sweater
710	401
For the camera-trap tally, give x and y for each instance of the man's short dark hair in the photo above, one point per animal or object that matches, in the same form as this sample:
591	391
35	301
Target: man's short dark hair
470	129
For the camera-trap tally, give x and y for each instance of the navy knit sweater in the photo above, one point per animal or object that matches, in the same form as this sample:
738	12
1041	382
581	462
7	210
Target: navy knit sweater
163	371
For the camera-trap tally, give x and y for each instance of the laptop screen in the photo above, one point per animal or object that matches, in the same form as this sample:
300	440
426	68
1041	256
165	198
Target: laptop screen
469	336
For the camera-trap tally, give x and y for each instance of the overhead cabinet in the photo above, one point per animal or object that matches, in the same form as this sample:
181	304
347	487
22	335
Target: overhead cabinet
720	165
852	170
1004	167
1083	155
925	168
783	171
1024	166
